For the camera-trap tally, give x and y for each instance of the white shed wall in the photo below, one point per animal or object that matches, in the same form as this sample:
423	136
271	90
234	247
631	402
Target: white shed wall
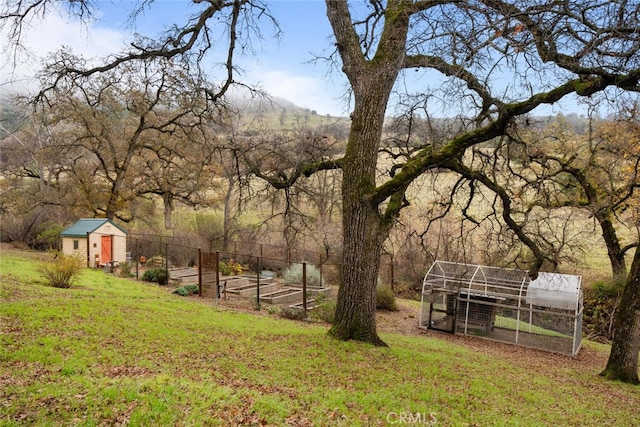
67	246
110	229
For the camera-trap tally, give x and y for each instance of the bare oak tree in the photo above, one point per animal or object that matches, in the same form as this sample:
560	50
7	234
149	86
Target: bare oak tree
458	40
597	172
142	130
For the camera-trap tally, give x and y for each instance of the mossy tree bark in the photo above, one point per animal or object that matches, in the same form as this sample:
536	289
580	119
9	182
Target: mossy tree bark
605	216
614	249
364	228
623	359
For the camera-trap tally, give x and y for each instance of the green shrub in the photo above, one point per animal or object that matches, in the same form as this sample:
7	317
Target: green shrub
149	275
63	271
324	311
156	262
125	269
50	235
600	304
162	277
603	289
180	291
187	290
273	309
292	313
293	275
192	289
225	270
158	275
230	268
385	298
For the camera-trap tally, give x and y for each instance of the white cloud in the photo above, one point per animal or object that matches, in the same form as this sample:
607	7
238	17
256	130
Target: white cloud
46	36
305	91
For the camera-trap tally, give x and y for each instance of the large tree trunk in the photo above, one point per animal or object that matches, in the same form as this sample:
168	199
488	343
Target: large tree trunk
623	360
363	227
226	222
167	199
355	316
614	251
605	217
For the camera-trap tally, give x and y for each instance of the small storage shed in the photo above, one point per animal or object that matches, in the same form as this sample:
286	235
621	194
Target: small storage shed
99	239
504	305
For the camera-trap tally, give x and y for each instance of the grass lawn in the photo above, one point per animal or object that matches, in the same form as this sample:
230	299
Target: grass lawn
112	351
525	326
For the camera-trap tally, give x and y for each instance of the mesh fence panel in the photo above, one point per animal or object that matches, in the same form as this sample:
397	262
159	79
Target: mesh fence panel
491	302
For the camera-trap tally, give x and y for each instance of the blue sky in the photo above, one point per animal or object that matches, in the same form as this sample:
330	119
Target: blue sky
282	66
286	67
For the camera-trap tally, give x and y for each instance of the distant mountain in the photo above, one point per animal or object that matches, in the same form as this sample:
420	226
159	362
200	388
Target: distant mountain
10	118
262	103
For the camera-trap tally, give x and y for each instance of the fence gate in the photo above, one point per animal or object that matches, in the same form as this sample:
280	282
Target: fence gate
442	311
208	275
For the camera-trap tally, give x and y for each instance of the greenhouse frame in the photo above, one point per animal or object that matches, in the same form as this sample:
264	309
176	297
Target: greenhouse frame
504	305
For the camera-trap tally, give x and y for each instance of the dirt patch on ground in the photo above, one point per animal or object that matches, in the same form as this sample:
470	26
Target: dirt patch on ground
406	321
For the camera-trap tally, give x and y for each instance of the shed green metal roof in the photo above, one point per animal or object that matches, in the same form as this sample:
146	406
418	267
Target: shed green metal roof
87	225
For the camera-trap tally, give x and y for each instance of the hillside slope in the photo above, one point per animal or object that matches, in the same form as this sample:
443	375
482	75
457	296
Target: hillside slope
116	351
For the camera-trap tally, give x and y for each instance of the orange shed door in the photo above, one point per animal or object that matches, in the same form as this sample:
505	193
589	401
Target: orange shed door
106	254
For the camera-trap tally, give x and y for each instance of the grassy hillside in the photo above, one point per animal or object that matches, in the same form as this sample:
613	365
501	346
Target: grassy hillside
114	351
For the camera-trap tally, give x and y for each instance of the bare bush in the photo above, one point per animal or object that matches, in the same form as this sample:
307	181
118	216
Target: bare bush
63	271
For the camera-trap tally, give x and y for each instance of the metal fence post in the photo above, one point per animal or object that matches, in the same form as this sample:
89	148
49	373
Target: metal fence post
218	274
258	284
137	259
199	272
166	261
304	288
392	278
320	268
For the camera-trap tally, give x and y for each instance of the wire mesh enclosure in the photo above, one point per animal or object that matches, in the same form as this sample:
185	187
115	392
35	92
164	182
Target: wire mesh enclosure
504	305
